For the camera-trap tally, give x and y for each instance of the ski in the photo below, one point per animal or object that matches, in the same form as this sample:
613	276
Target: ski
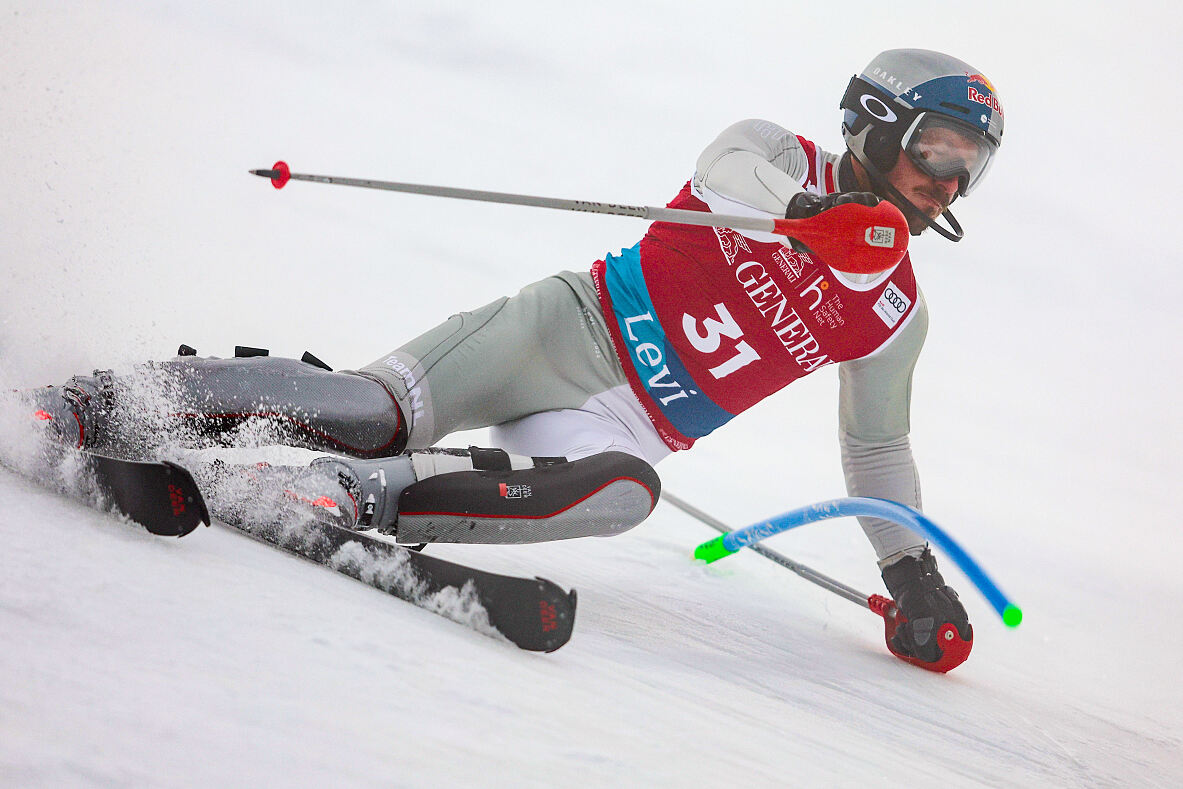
533	613
160	496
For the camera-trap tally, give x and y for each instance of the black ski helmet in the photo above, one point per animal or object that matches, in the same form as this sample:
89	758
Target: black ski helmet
902	97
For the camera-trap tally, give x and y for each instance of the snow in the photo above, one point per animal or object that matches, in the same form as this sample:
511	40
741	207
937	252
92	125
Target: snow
1044	415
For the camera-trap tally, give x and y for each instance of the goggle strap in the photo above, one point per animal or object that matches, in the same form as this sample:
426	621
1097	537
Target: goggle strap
859	90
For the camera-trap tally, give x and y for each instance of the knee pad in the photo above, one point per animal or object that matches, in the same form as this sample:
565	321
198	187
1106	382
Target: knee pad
312	406
510	499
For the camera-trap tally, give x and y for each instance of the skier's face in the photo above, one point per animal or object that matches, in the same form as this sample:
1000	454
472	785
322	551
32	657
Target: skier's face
930	195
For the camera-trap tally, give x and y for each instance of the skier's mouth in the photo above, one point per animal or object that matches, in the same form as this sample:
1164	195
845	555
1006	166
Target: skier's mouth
929	204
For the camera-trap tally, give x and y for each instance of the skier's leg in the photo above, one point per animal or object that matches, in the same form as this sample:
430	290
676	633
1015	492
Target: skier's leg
489	495
452	495
577	472
197	400
573	473
544	349
612	420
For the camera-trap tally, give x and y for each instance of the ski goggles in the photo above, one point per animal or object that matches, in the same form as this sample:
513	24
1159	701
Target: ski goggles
944	147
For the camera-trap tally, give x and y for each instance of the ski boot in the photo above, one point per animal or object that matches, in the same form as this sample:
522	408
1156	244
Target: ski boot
74	413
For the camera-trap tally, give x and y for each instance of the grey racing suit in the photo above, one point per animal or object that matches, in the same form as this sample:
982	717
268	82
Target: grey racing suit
762	166
540	369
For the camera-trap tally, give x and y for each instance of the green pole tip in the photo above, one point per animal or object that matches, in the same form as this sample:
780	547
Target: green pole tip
712	551
1012	615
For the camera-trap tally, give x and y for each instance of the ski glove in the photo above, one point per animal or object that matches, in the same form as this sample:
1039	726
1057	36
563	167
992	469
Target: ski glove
805	205
927	603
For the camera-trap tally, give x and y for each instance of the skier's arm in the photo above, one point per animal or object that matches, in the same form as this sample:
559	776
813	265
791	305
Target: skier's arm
753	163
874	403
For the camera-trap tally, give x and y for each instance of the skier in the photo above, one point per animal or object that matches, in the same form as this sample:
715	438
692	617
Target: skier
589	379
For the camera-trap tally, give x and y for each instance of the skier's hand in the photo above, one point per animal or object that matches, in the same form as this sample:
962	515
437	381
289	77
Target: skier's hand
805	205
927	604
920	636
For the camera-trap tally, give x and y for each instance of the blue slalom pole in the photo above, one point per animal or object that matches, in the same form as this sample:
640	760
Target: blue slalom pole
893	511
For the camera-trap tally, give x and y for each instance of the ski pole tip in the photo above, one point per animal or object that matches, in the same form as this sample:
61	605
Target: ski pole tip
279	174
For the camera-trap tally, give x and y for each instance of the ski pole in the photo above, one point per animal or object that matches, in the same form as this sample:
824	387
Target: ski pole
954	651
866	239
731	542
809	574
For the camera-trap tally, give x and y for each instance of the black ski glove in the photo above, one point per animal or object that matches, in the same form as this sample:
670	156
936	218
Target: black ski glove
806	204
927	603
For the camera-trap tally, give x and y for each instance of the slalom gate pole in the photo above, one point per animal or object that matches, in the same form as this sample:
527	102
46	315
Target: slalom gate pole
809	574
732	542
867	239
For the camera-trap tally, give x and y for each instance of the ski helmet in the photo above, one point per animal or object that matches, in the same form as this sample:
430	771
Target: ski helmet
940	111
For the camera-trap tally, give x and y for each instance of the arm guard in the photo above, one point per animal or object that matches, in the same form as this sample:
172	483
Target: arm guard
754	163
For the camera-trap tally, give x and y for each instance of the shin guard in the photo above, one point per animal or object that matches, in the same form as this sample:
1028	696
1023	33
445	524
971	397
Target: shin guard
503	498
317	408
206	398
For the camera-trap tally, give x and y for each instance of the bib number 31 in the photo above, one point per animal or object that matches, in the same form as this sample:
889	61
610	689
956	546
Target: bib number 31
707	337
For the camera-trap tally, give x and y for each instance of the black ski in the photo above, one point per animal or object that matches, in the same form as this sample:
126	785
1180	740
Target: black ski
160	496
533	613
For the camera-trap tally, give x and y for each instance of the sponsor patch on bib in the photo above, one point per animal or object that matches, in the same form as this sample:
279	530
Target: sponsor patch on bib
892	305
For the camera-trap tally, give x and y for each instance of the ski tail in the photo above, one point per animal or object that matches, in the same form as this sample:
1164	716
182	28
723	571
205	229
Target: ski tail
160	496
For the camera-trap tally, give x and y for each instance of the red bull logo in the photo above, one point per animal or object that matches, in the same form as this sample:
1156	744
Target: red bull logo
988	99
981	80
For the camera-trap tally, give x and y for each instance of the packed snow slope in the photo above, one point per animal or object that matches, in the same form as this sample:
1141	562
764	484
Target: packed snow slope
1045	416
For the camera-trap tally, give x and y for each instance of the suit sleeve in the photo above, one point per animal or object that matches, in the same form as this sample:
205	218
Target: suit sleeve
874	404
755	164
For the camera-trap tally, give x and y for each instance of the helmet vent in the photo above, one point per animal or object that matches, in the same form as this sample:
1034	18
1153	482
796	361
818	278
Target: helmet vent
958	107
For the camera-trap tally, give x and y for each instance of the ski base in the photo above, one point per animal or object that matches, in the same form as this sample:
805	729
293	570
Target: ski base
533	613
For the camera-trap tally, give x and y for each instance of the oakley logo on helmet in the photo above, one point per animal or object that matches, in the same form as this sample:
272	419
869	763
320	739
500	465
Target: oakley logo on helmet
890	79
881	111
881	236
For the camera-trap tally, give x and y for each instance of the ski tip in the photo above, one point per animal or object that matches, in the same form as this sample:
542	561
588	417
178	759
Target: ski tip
279	174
